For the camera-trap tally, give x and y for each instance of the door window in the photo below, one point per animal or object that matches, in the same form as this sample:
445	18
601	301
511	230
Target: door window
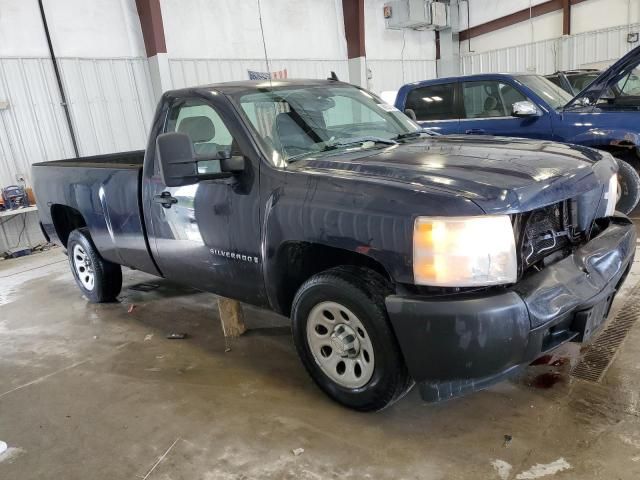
489	98
209	135
435	102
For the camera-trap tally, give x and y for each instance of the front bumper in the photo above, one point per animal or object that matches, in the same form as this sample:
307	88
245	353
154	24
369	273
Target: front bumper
462	343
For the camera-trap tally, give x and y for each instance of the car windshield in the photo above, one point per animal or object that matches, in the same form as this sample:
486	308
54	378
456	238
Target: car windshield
294	122
555	96
581	81
629	84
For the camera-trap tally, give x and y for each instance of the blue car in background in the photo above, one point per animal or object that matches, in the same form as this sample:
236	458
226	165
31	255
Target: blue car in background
605	115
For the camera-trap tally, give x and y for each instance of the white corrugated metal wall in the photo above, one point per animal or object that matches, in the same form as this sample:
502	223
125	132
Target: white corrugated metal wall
391	74
386	74
186	72
111	100
32	128
111	107
548	56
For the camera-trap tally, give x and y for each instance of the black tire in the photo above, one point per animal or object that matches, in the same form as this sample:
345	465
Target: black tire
629	186
107	276
362	291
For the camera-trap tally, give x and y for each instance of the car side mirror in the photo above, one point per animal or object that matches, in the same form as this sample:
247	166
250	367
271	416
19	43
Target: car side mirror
179	164
524	109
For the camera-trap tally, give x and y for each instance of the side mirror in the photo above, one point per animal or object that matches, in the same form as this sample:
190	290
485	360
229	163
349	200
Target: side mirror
524	109
179	164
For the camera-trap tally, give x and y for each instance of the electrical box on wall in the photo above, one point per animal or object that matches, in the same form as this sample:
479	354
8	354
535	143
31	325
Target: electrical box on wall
439	15
416	14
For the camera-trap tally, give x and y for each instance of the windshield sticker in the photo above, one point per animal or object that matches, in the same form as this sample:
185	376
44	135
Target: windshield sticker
388	108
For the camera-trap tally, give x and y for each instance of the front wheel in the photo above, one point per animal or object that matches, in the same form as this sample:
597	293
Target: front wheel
99	280
628	187
345	341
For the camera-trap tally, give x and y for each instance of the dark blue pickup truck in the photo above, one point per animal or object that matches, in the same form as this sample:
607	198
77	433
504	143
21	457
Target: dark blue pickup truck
400	257
605	115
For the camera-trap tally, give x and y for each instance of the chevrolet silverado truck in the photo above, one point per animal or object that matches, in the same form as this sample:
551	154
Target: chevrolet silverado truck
400	257
604	115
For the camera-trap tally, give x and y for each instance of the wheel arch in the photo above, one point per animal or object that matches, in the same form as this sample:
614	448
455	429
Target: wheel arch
296	261
65	220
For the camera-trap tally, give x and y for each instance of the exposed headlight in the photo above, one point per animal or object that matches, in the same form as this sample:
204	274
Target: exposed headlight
611	196
464	251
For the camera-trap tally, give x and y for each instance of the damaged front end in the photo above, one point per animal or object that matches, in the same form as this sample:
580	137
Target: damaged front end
572	254
459	343
550	233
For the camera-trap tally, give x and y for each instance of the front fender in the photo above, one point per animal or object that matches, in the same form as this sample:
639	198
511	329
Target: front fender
606	137
355	214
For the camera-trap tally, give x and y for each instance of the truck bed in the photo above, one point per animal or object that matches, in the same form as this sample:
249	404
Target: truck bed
132	159
106	191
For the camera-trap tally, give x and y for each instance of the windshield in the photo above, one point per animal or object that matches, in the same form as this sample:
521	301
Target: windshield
629	84
555	96
294	122
582	80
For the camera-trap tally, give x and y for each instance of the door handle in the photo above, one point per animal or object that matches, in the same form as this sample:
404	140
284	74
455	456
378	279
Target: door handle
165	199
475	131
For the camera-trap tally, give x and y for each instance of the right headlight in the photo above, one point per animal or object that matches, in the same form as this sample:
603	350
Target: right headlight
611	196
464	251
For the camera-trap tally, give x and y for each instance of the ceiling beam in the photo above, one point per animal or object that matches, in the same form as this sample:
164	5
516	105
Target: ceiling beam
518	17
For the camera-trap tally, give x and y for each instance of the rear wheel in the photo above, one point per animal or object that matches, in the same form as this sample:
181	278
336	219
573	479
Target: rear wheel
628	186
345	341
99	280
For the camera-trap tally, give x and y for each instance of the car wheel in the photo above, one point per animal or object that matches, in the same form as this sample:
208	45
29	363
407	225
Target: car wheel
99	280
345	341
628	187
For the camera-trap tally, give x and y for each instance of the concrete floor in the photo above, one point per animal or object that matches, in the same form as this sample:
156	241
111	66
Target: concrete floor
98	392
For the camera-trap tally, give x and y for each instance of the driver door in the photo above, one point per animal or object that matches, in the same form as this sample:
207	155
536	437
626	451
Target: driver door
208	235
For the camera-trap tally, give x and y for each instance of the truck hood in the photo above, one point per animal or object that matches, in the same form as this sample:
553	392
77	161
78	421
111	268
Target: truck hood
500	175
608	77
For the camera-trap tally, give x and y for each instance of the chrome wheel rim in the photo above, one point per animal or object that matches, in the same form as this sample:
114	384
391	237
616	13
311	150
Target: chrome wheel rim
83	267
340	345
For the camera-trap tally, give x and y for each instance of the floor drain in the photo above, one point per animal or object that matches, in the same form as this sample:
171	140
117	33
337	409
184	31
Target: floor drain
598	355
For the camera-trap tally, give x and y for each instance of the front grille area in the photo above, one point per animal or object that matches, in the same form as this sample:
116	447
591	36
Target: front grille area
546	233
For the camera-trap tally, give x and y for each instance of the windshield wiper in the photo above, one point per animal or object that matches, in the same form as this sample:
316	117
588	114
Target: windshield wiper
346	142
402	136
333	144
